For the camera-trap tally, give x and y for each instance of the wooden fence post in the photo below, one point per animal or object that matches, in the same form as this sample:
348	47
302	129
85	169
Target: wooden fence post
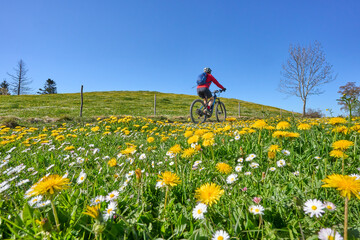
155	104
81	106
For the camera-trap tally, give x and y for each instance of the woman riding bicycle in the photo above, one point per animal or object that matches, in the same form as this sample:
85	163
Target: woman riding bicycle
203	90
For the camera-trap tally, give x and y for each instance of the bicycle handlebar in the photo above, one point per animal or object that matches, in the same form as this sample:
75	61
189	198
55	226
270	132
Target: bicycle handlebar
219	91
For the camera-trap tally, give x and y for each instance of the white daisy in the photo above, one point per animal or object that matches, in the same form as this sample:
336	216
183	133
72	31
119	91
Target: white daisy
142	156
112	196
220	235
281	163
256	209
296	173
272	169
22	182
355	175
237	137
247	173
42	204
314	207
330	206
231	178
285	152
97	200
81	177
35	200
240	160
110	210
238	168
160	184
250	157
199	210
254	165
328	233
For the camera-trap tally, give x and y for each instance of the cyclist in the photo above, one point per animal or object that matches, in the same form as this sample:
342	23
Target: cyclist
203	90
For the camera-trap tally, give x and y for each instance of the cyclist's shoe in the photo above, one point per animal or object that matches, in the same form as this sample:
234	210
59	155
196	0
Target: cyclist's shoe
208	112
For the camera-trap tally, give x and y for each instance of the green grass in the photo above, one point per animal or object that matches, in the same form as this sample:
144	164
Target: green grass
135	103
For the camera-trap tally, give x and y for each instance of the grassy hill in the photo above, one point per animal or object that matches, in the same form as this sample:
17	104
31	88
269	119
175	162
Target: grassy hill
136	103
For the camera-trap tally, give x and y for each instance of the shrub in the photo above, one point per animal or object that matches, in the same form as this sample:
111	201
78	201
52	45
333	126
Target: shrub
314	113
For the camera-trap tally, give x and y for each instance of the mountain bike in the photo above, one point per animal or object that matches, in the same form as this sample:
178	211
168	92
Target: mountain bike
199	112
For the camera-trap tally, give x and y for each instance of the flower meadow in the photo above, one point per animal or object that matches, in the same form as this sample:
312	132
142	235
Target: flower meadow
136	178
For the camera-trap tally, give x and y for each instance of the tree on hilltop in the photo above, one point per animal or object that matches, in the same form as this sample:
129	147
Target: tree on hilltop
349	99
49	87
20	81
305	71
4	88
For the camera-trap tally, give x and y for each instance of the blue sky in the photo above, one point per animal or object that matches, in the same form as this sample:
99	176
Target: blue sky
162	45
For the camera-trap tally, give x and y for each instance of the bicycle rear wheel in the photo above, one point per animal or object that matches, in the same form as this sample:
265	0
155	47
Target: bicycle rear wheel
220	112
197	114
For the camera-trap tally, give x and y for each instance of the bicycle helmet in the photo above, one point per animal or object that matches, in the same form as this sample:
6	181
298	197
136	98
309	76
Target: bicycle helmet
207	70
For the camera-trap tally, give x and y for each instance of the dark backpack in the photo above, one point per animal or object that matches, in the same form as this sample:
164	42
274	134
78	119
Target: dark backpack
201	79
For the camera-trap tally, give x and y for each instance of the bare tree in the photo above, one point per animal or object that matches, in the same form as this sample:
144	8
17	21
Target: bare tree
20	81
305	71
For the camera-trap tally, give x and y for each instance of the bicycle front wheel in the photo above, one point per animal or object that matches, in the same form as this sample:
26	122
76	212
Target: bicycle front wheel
197	113
220	112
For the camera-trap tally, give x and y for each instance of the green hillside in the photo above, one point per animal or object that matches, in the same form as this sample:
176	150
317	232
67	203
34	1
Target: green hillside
136	103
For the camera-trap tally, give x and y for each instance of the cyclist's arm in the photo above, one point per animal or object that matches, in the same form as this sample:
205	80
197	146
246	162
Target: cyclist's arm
217	83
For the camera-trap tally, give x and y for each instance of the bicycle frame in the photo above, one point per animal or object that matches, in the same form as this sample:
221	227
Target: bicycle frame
215	98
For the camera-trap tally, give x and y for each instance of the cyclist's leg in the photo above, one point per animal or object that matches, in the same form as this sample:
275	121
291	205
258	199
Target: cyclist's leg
209	97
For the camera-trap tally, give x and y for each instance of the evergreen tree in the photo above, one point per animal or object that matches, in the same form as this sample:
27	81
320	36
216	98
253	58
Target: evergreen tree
49	87
4	88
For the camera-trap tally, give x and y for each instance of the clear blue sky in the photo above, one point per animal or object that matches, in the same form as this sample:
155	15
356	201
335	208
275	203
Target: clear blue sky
162	45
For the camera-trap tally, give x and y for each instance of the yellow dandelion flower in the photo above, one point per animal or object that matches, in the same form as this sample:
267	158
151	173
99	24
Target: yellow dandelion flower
338	154
283	125
342	145
189	152
200	132
209	193
69	148
163	139
271	155
93	211
188	134
193	139
208	142
274	148
279	134
150	140
341	129
259	124
347	185
337	120
208	136
95	129
223	168
169	179
292	135
129	150
175	149
60	137
49	185
112	162
304	126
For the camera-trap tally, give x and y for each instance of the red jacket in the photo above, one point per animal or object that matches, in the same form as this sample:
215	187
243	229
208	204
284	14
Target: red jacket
209	80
